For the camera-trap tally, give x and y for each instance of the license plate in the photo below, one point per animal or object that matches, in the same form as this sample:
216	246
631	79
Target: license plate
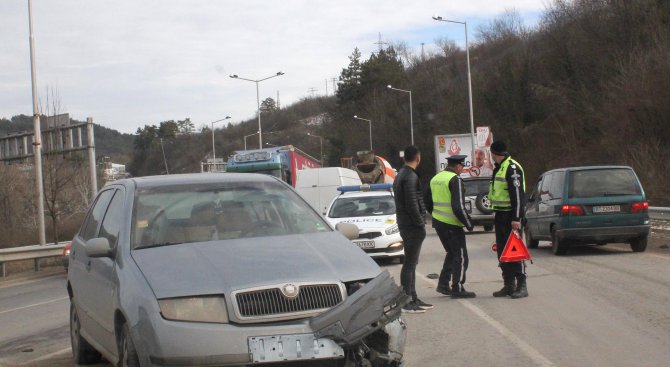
365	244
607	209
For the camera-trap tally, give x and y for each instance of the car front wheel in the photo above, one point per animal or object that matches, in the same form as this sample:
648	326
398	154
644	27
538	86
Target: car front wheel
530	241
127	352
639	244
82	351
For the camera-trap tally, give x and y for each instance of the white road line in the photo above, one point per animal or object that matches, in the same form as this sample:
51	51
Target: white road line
42	358
526	348
34	305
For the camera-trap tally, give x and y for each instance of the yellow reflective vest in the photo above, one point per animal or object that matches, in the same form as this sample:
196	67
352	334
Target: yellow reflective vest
499	188
439	187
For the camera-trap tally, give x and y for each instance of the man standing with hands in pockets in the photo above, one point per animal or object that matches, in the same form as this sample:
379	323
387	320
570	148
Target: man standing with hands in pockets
506	192
445	200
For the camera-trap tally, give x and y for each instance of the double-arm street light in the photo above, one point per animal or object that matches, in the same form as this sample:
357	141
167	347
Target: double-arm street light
467	56
258	102
411	118
369	122
321	143
245	139
213	122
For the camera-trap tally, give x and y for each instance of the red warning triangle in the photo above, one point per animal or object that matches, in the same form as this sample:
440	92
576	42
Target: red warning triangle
514	250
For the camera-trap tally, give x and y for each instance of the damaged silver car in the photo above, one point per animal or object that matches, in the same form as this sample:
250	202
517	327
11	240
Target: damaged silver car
225	270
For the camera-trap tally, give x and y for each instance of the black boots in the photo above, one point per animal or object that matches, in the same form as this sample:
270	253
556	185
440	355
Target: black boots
507	289
458	291
444	289
521	290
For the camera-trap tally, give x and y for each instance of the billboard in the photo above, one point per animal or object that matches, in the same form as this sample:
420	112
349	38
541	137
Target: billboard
454	144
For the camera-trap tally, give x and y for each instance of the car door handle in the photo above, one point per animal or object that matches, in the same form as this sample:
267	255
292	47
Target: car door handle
88	265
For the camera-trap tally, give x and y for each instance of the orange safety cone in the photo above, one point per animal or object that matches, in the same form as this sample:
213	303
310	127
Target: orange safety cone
515	250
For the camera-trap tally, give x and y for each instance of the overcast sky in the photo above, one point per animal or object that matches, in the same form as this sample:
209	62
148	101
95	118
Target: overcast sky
128	63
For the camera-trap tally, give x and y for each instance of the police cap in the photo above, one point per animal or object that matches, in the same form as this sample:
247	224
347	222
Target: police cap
455	159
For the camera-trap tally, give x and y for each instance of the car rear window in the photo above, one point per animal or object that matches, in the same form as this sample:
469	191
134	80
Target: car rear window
476	187
603	182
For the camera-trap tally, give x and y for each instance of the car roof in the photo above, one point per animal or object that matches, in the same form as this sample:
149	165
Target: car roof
586	168
195	178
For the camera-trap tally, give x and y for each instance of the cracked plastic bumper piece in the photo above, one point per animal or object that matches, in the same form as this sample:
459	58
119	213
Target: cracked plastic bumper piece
292	348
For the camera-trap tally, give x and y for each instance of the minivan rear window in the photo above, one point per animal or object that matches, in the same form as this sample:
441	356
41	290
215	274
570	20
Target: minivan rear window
603	182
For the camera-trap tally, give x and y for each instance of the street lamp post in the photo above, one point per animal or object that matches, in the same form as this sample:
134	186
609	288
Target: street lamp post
369	122
258	102
467	56
320	143
245	139
214	149
411	117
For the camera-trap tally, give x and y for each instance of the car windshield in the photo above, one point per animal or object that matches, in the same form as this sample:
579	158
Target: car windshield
222	211
476	187
603	182
367	206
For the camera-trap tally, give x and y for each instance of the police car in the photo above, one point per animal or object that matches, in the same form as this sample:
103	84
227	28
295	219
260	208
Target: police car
372	209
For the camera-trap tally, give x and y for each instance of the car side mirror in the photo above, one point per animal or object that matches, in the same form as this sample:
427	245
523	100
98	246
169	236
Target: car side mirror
349	230
98	247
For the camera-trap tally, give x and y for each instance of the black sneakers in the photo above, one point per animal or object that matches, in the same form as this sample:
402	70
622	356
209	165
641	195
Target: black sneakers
444	290
460	292
412	308
422	305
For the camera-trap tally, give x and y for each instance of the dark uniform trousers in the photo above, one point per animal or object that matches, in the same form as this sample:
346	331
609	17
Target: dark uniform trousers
503	225
412	238
456	261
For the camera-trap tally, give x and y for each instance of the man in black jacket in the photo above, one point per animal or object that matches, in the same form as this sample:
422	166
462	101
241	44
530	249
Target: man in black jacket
410	212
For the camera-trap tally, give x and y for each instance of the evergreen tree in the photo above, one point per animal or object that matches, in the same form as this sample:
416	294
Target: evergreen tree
350	79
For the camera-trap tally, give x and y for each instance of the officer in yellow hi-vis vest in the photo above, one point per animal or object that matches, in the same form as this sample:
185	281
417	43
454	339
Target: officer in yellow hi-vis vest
507	193
445	200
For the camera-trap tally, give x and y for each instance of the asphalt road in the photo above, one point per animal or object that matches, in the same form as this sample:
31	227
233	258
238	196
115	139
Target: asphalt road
598	306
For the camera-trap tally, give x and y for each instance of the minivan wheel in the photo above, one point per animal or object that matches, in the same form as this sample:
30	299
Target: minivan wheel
530	241
488	227
557	246
639	244
82	351
127	352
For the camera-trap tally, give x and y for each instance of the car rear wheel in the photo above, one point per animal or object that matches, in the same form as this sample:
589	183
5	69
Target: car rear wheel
639	244
530	241
127	352
483	203
488	227
559	247
82	351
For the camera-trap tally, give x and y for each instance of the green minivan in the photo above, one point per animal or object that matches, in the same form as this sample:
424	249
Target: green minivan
592	205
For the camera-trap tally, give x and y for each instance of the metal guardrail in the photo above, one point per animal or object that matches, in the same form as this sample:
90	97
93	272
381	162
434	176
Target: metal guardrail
35	252
656	212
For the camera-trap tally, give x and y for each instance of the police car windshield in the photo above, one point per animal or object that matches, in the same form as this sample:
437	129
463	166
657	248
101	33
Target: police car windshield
349	207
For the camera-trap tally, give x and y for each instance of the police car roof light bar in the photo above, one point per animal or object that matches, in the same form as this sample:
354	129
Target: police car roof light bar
365	187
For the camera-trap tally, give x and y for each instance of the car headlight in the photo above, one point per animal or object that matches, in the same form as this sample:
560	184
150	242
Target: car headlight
197	309
392	229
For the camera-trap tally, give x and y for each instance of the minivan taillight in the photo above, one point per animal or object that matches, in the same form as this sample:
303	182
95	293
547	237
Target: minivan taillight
639	207
572	210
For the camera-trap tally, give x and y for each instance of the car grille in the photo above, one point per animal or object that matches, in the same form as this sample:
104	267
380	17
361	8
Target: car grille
370	235
270	303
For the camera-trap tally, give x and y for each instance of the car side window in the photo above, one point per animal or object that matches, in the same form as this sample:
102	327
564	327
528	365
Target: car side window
90	228
536	190
556	190
546	187
111	224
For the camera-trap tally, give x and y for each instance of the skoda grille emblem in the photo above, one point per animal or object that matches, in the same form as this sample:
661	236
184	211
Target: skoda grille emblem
290	290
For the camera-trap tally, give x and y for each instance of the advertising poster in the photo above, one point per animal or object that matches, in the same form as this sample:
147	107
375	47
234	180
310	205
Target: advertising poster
454	144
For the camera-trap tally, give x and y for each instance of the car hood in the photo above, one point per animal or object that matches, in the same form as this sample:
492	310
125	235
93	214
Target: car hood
365	223
220	267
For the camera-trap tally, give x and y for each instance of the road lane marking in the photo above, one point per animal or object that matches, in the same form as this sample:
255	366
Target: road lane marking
34	305
20	282
526	348
48	356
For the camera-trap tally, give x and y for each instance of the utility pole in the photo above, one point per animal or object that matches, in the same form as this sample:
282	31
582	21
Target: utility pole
37	140
380	42
312	91
326	87
334	80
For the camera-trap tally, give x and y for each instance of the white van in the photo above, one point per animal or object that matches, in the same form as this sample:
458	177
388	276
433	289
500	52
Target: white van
319	185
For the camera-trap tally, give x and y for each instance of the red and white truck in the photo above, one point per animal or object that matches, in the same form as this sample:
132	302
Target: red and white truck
283	162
